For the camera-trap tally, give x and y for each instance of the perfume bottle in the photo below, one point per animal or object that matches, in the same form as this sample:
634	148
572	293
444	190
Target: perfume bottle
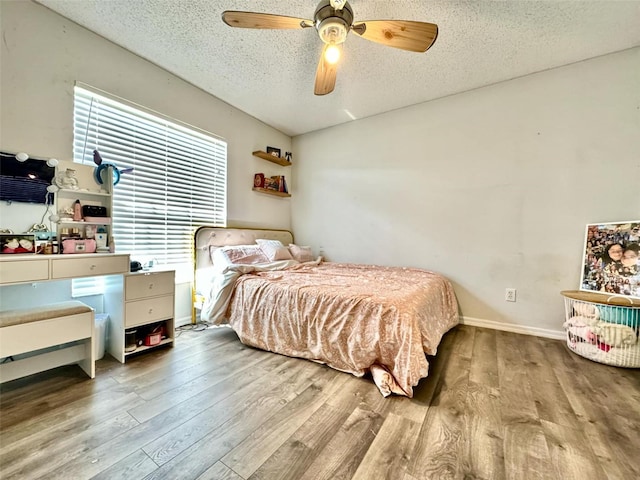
77	211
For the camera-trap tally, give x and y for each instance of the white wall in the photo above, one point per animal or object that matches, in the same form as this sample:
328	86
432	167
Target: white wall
493	187
20	217
44	54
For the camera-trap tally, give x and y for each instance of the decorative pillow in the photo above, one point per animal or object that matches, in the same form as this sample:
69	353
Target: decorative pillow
216	255
274	249
239	255
301	253
246	255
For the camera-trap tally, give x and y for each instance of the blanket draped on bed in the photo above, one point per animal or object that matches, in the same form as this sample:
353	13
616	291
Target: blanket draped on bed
354	318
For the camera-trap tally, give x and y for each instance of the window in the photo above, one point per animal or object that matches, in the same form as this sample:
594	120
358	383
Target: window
178	181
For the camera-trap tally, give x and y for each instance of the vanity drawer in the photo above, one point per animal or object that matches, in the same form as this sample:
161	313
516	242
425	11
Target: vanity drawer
145	285
73	267
24	271
141	312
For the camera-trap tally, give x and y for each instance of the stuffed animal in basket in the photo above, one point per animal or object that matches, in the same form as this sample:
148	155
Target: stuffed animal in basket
588	312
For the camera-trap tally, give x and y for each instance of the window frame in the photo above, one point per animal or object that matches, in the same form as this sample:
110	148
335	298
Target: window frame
156	208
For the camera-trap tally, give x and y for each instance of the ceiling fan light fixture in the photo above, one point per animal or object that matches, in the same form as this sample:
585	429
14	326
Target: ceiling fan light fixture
333	30
332	53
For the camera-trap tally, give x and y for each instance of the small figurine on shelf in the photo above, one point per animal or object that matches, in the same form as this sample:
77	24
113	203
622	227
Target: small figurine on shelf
67	180
65	213
287	156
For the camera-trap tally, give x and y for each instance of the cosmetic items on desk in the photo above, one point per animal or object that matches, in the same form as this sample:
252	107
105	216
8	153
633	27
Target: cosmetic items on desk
90	239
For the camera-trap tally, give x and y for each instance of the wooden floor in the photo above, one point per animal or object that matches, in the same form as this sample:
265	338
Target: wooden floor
496	405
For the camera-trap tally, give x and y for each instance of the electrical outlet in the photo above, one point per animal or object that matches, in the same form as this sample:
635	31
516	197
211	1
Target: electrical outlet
510	294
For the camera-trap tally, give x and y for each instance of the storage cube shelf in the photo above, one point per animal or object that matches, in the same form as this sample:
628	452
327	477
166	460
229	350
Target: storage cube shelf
88	193
603	328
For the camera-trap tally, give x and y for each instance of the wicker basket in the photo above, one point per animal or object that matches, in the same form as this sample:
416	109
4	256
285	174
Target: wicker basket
602	328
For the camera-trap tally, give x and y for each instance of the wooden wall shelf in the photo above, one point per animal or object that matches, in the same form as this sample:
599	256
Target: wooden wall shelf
270	158
271	192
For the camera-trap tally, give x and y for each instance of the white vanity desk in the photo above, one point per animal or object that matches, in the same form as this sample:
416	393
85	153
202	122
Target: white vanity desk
132	300
28	268
138	300
34	268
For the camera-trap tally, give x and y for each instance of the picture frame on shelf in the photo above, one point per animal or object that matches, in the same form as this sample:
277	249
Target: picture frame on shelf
276	152
18	243
271	183
610	259
258	180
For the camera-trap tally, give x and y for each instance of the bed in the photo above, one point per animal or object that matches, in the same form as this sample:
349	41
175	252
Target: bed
360	319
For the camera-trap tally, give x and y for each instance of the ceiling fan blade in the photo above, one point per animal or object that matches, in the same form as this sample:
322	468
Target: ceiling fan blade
403	34
263	20
325	75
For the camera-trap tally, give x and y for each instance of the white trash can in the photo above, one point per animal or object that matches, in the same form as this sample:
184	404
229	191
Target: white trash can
102	325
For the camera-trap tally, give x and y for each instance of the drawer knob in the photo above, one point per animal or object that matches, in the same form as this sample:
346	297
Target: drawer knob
150	310
92	267
150	286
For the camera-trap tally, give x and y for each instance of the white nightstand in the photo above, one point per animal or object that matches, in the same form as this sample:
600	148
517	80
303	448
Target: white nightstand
149	298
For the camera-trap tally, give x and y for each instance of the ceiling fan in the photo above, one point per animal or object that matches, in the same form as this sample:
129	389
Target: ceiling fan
333	20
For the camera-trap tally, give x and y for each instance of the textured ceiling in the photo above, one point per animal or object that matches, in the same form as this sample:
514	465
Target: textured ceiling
269	74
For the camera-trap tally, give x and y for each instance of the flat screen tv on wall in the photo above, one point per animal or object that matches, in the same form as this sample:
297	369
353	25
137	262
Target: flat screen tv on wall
26	181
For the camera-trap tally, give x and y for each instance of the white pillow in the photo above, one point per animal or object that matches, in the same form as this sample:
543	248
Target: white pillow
274	249
301	253
219	259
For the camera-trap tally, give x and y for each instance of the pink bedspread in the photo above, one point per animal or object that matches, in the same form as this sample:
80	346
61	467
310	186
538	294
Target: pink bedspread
354	318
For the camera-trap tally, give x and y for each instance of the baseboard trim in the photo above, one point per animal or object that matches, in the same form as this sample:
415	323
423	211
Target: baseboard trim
179	322
509	327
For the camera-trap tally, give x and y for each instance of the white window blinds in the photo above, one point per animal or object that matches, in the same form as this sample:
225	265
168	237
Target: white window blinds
178	182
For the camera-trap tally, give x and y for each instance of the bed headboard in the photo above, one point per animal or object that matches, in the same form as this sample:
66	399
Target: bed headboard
205	237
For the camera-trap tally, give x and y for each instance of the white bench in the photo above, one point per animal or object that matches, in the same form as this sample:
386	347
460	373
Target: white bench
28	330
